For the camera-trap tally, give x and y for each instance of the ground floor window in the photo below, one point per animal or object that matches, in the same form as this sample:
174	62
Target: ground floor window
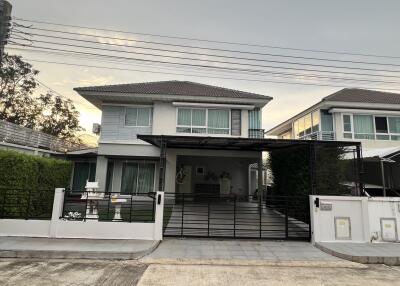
137	177
83	172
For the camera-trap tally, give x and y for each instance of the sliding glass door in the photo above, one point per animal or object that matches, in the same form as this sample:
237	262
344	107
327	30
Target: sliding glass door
137	177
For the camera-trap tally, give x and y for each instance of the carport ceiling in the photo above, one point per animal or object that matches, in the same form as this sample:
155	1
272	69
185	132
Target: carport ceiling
230	143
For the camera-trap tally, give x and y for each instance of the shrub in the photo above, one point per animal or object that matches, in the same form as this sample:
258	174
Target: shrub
291	171
27	184
24	171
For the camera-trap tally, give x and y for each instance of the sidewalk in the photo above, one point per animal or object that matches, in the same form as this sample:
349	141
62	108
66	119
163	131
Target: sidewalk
29	247
368	253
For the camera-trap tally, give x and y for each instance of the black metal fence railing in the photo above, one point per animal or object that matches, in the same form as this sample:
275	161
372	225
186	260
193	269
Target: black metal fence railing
256	133
26	203
205	215
109	206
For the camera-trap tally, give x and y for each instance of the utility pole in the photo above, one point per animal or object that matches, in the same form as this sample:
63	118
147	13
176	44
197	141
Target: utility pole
5	24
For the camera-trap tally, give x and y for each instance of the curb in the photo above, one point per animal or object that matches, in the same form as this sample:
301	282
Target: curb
239	262
54	254
387	260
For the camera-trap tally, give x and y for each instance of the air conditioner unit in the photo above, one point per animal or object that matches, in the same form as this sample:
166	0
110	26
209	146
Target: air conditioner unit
96	128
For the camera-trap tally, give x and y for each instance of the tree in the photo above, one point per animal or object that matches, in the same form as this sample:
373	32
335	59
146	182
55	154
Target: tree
47	112
17	84
59	117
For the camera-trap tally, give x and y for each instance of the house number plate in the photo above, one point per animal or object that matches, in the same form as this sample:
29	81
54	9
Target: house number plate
325	207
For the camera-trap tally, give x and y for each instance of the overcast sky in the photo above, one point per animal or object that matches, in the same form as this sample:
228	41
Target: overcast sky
355	26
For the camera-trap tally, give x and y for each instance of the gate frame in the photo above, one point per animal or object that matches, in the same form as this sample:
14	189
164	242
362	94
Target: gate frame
250	144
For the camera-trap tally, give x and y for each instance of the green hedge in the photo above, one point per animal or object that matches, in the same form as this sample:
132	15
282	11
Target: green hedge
24	171
27	184
291	171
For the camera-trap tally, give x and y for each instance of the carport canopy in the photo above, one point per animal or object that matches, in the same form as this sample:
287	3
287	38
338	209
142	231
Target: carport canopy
245	144
236	143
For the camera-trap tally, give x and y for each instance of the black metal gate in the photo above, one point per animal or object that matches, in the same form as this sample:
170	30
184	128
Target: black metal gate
205	215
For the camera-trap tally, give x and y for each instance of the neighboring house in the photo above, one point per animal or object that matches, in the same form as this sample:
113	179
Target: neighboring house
172	109
368	116
18	138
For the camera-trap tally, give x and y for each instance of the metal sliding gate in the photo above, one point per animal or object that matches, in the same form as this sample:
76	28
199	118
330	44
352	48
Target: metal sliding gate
205	215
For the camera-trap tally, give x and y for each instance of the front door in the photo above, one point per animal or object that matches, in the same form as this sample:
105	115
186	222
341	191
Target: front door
184	179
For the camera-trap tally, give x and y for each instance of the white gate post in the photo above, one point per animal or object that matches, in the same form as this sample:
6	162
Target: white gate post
57	211
159	216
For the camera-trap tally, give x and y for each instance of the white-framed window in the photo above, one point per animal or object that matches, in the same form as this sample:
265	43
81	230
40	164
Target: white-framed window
138	116
307	125
203	120
363	126
347	126
394	128
381	128
371	127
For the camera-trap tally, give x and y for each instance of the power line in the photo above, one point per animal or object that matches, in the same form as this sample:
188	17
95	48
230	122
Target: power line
193	47
217	61
210	41
201	76
275	74
201	65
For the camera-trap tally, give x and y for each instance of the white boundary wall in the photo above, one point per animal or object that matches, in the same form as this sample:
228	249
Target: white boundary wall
364	214
59	228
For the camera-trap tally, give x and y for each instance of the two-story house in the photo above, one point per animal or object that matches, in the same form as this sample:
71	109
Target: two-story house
126	163
368	116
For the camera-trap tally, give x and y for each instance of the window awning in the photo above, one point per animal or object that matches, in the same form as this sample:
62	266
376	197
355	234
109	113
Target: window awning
236	143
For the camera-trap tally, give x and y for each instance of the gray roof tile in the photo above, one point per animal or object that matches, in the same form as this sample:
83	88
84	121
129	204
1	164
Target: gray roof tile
363	96
173	88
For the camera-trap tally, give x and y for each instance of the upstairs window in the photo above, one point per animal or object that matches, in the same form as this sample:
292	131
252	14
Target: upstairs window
191	120
347	127
381	127
307	125
138	116
394	128
218	121
363	127
203	120
371	127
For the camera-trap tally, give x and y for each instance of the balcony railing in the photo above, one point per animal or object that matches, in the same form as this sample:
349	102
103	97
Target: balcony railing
256	133
16	134
320	135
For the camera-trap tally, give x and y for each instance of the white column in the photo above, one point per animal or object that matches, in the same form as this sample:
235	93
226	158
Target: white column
58	204
159	216
101	172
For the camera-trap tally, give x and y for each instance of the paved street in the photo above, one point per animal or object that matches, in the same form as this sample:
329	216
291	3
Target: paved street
201	262
22	272
210	275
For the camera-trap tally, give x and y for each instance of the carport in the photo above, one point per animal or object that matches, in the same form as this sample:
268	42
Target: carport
237	216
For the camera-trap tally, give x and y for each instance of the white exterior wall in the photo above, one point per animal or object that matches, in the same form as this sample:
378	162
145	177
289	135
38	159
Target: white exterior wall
58	228
164	118
383	208
245	124
365	217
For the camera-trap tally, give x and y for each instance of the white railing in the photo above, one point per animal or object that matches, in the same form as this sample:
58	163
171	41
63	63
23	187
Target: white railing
320	135
16	134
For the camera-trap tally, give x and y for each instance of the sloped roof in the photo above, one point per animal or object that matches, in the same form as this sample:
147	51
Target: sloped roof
363	96
350	95
187	88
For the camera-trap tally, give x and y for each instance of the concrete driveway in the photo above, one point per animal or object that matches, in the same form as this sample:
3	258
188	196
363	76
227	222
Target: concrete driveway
244	252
